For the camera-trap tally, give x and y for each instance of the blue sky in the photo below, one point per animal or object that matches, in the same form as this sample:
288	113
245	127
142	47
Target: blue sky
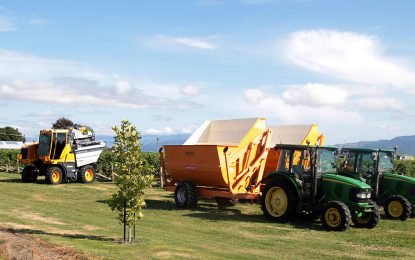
167	66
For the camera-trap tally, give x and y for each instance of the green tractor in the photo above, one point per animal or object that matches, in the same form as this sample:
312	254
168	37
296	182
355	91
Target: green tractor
306	182
396	193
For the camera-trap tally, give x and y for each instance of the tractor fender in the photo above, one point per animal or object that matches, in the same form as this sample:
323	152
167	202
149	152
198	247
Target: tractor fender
284	176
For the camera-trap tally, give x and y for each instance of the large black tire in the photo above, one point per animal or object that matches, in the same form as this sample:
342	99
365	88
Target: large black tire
186	195
54	175
398	207
29	174
87	174
368	220
279	200
225	202
336	216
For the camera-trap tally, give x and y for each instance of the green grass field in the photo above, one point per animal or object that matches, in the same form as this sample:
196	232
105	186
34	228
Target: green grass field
77	216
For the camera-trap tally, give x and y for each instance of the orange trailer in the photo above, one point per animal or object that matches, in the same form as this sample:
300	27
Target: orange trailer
226	160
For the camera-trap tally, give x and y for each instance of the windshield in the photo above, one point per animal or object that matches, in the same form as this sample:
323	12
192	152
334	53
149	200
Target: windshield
44	144
326	161
385	162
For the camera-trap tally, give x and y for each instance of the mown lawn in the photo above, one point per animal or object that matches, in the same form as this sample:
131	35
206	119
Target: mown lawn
76	215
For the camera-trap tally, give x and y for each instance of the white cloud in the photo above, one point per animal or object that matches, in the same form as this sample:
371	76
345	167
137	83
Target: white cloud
376	103
254	96
346	55
170	131
66	91
28	77
123	87
195	43
273	106
7	24
15	64
191	90
315	95
165	131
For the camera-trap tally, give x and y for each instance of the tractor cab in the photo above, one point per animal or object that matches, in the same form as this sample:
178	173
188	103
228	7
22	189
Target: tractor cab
306	165
375	167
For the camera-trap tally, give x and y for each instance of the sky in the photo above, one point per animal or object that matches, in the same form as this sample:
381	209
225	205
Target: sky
167	66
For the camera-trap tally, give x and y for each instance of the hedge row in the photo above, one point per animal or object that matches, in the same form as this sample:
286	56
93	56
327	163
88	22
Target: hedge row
106	160
8	156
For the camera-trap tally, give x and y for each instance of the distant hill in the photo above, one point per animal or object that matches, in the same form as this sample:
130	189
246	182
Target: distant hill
150	142
406	144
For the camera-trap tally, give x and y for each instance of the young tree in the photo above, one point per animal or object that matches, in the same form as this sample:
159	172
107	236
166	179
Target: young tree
134	175
63	123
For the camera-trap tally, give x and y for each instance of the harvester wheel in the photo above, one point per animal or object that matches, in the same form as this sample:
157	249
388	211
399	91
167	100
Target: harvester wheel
398	207
87	174
29	173
336	216
186	195
225	202
279	200
368	220
54	175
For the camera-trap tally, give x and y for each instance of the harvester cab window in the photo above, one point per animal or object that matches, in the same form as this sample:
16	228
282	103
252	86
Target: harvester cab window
60	143
44	144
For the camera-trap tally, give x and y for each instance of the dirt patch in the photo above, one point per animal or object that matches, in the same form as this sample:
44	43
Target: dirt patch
39	218
14	245
165	254
91	228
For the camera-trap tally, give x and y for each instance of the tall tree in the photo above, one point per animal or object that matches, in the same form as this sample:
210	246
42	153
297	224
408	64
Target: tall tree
10	134
134	175
64	123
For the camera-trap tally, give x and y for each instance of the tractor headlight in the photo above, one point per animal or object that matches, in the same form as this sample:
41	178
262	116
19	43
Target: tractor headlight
363	195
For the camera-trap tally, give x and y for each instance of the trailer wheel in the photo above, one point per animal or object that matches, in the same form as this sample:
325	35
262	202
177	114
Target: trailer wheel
29	173
54	175
87	174
279	201
398	207
186	195
368	220
225	202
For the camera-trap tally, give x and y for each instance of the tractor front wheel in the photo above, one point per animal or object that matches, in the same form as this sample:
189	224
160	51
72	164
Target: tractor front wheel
186	195
87	174
368	220
279	201
398	207
336	216
54	175
29	173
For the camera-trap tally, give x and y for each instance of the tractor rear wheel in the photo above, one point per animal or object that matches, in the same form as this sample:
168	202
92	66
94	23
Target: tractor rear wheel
87	174
225	202
398	207
336	216
368	220
279	200
29	173
54	175
186	195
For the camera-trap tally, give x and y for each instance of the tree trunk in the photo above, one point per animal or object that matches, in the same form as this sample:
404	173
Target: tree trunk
129	233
